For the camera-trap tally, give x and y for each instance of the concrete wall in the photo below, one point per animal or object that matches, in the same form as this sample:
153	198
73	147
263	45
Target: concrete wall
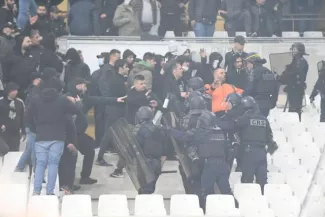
93	46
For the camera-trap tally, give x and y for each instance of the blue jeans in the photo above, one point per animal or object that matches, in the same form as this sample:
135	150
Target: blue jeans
204	30
29	153
26	8
48	153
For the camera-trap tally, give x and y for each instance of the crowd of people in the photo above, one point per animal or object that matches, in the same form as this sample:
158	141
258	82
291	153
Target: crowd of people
214	110
258	18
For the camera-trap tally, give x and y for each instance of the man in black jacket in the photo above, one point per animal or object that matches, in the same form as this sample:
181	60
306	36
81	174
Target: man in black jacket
116	88
7	12
237	75
234	12
238	49
138	96
106	9
261	19
12	117
47	113
203	16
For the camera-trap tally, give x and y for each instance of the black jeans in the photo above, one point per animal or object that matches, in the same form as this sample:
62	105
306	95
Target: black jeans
170	22
67	168
87	149
322	110
12	139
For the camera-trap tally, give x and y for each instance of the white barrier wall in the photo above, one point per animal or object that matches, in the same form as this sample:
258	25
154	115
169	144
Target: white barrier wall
92	46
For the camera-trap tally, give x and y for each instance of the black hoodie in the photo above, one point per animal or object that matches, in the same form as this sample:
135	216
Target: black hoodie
48	113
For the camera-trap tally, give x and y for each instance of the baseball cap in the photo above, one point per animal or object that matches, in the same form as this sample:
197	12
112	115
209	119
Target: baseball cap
103	55
240	40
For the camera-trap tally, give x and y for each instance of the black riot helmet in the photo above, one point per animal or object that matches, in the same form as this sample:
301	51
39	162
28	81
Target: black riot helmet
197	105
145	113
234	99
298	48
195	83
207	120
249	103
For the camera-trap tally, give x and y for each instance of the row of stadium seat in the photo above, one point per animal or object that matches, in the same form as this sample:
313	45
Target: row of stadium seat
224	34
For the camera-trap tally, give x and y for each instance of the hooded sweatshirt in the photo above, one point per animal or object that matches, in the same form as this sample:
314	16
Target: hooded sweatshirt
47	112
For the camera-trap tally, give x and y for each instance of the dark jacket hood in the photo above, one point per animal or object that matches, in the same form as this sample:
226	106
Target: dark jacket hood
49	95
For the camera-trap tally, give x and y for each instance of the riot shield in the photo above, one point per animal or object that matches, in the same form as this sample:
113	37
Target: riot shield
279	63
182	150
136	164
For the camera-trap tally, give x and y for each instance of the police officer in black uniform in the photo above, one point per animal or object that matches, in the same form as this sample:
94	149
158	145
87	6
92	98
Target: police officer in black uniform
294	77
255	134
153	143
211	144
263	85
189	122
195	87
319	88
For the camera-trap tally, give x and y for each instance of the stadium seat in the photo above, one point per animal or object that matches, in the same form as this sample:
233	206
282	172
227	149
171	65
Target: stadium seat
13	200
290	35
191	34
314	205
279	136
291	129
259	213
287	117
220	34
315	34
43	206
10	161
300	138
181	204
216	204
286	207
252	203
241	33
277	191
284	160
76	206
234	178
285	147
244	190
113	205
170	34
299	182
14	178
275	178
149	205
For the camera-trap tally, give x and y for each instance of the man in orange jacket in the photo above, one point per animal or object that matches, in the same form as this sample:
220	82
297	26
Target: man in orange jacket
219	92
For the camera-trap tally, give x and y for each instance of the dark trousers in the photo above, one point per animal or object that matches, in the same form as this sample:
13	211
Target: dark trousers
67	168
265	112
86	147
215	170
170	22
191	186
254	163
232	25
107	138
155	166
12	139
99	126
322	110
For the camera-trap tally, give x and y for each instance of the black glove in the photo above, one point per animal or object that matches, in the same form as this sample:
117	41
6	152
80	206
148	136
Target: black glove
272	147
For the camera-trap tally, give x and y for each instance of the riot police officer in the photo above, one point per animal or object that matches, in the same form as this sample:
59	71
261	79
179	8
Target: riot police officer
195	87
211	144
255	134
263	85
294	77
152	141
319	88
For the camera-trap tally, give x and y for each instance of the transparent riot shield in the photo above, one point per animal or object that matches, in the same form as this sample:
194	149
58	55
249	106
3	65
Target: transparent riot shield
182	150
136	164
280	64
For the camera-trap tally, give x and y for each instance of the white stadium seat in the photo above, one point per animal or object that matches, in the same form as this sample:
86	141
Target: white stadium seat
299	183
286	207
13	200
10	161
285	148
113	205
315	34
43	206
287	117
290	35
259	213
284	160
191	34
279	136
249	203
275	178
244	190
301	138
218	204
14	178
76	206
185	204
149	205
234	178
170	34
241	33
277	191
220	34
